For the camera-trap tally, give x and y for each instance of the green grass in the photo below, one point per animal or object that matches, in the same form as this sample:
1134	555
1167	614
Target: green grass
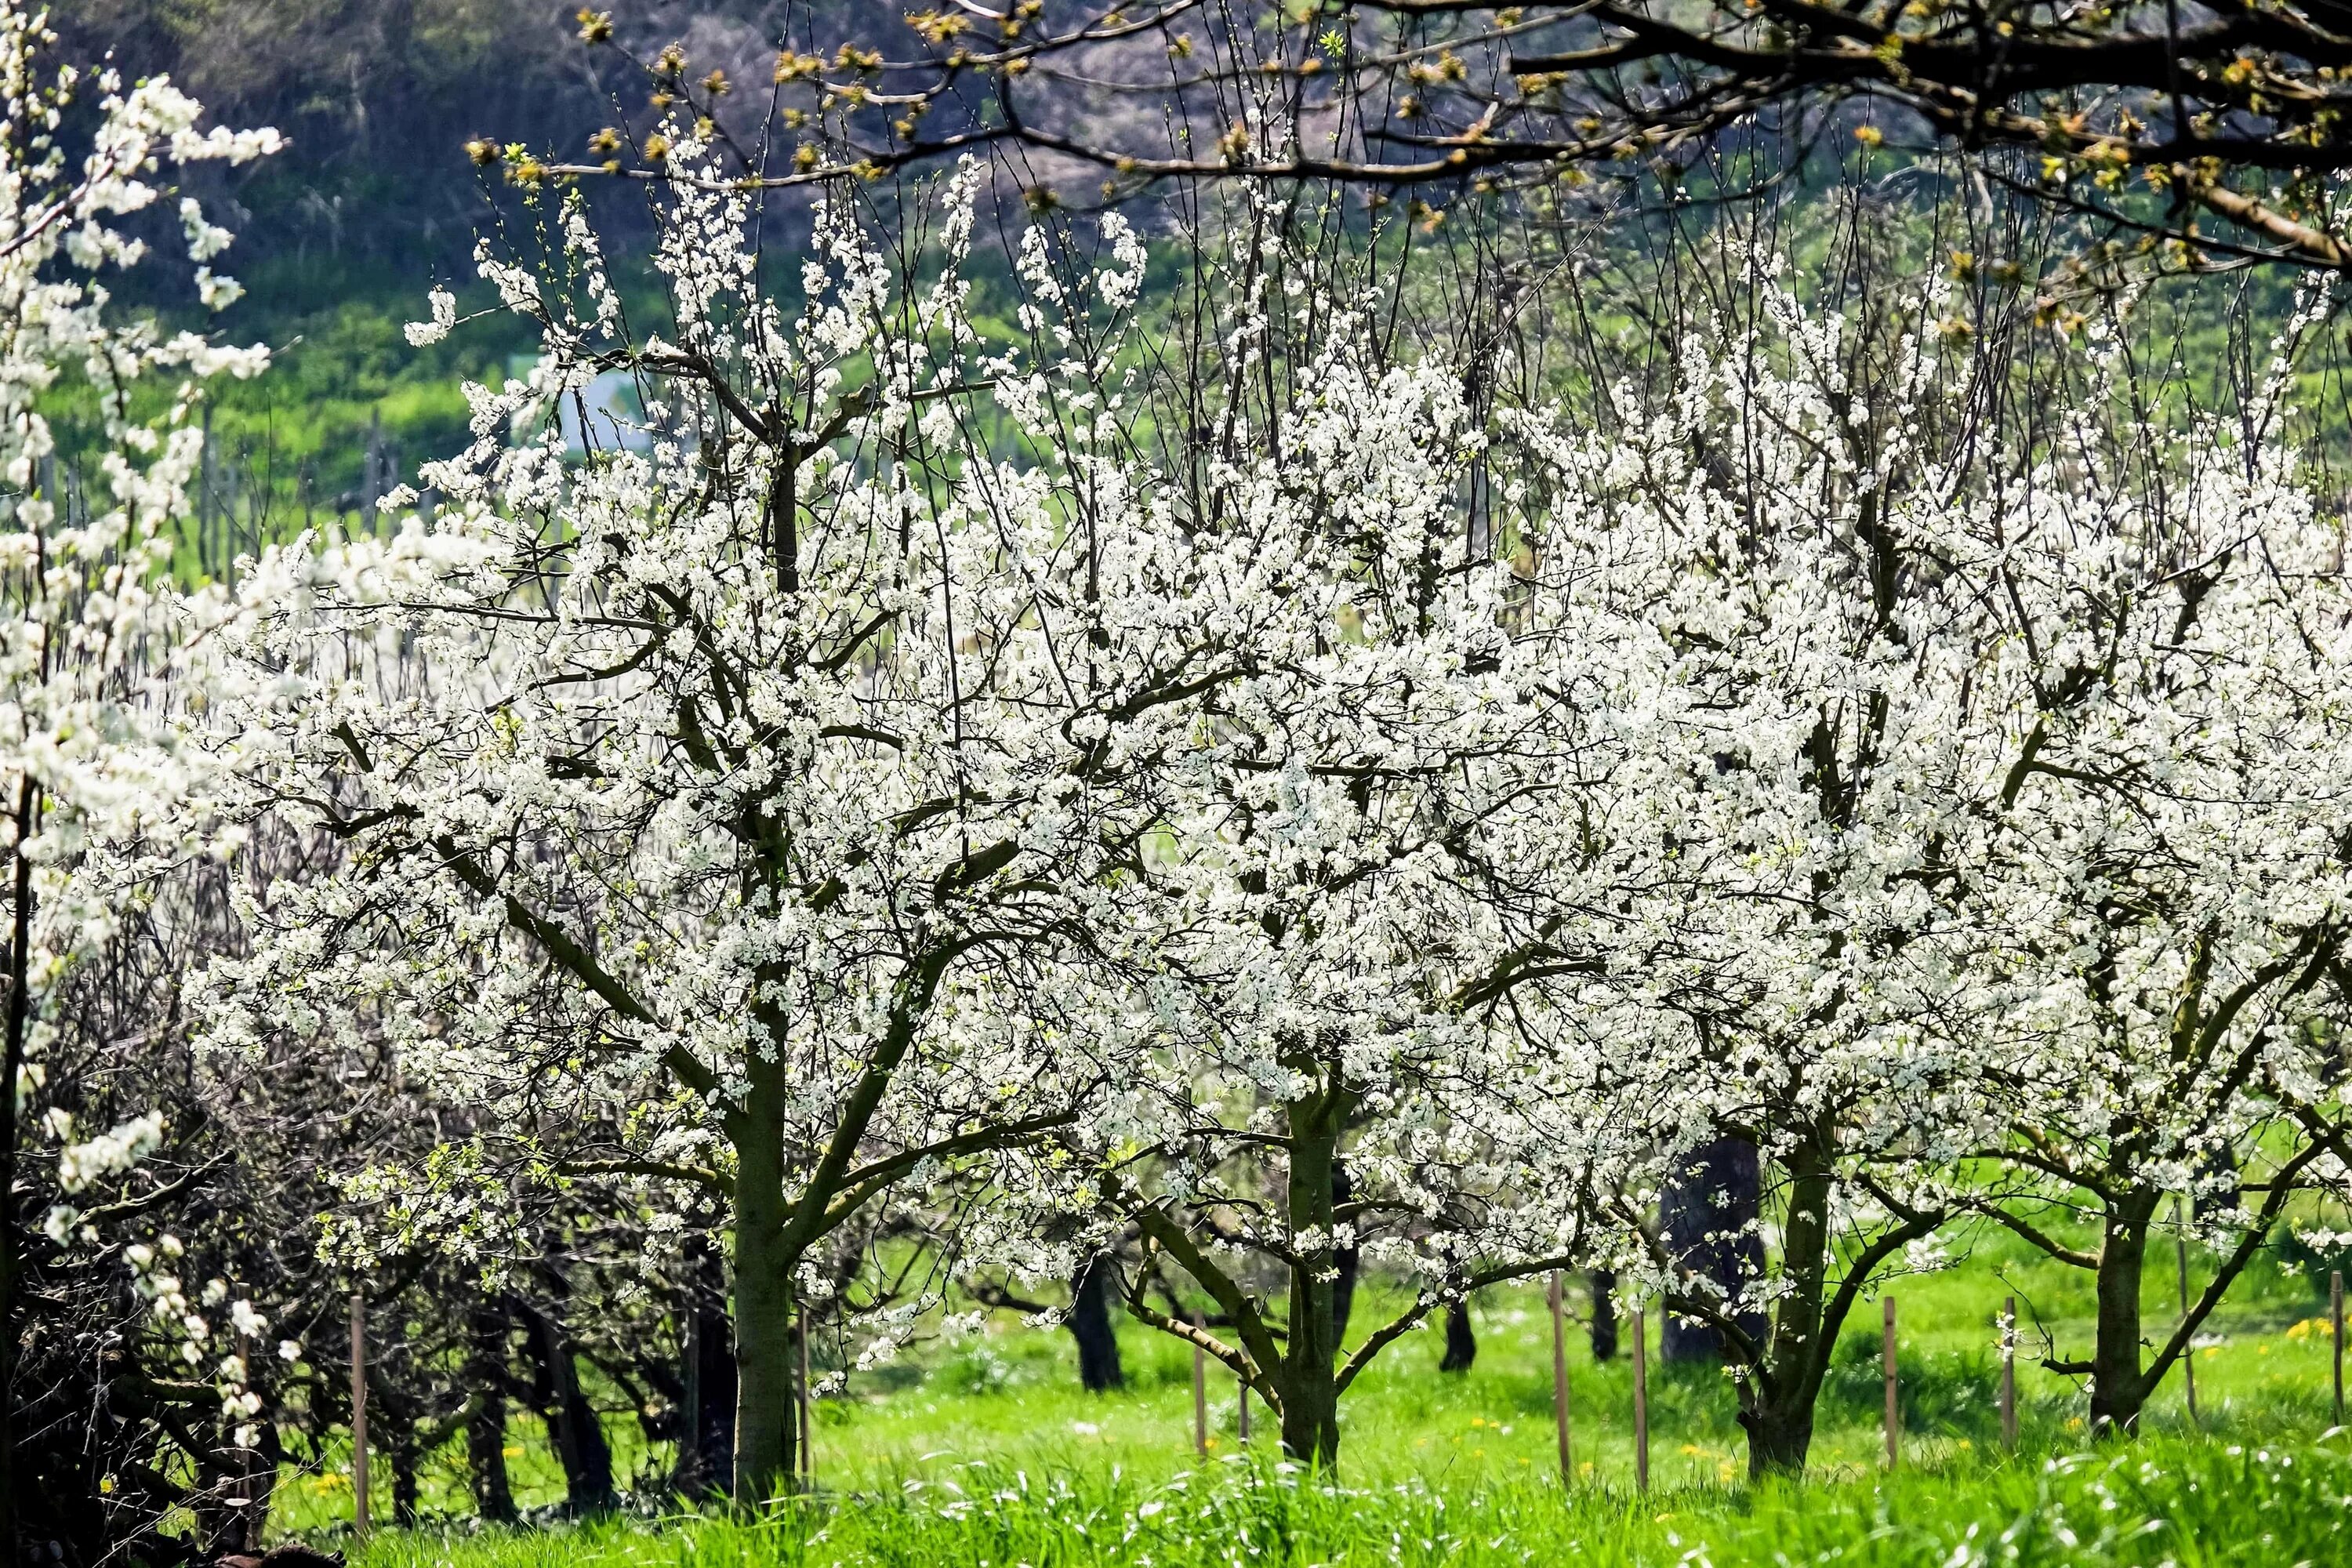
987	1454
2163	1501
1013	1394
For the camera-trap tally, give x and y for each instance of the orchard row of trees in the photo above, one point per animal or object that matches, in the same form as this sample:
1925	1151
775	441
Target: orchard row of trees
1234	757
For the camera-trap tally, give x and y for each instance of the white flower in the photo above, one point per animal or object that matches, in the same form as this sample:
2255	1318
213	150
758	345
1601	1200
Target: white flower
206	241
110	1153
217	292
422	335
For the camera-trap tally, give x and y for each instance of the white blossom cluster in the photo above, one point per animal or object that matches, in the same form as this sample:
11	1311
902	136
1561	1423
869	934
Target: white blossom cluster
930	766
1981	806
98	789
101	795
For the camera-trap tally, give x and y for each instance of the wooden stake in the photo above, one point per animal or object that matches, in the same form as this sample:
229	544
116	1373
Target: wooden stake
1894	1411
359	1416
1559	1381
2008	1375
1641	1401
1241	1414
2189	1353
2335	1323
1200	1392
808	1427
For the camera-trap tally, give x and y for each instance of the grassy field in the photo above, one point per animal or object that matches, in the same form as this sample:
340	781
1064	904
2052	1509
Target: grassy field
2163	1502
988	1453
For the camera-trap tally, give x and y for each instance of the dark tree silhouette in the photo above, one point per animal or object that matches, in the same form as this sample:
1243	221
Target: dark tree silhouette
2212	125
1708	1212
1091	1293
1461	1340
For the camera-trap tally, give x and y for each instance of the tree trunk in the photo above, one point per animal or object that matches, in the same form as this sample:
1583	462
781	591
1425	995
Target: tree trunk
400	1452
242	1488
1310	1395
1708	1212
1777	1407
1604	1314
765	1432
1461	1343
1780	1435
219	1499
11	1070
485	1457
1348	1260
486	1417
2223	1160
706	1449
263	1462
2119	1389
572	1427
1090	1324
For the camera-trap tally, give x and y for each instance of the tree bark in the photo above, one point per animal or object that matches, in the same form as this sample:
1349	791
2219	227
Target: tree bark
765	1431
398	1424
268	1455
2220	1161
1461	1342
1348	1260
486	1417
1776	1398
485	1457
572	1425
1708	1216
1779	1436
1604	1314
706	1461
1090	1324
1311	1405
2118	1387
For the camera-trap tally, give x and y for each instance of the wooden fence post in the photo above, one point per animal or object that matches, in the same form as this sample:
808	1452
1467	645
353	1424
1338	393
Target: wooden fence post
2189	1351
2008	1375
1640	1400
2336	1340
1893	1410
1559	1380
359	1416
1199	1391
